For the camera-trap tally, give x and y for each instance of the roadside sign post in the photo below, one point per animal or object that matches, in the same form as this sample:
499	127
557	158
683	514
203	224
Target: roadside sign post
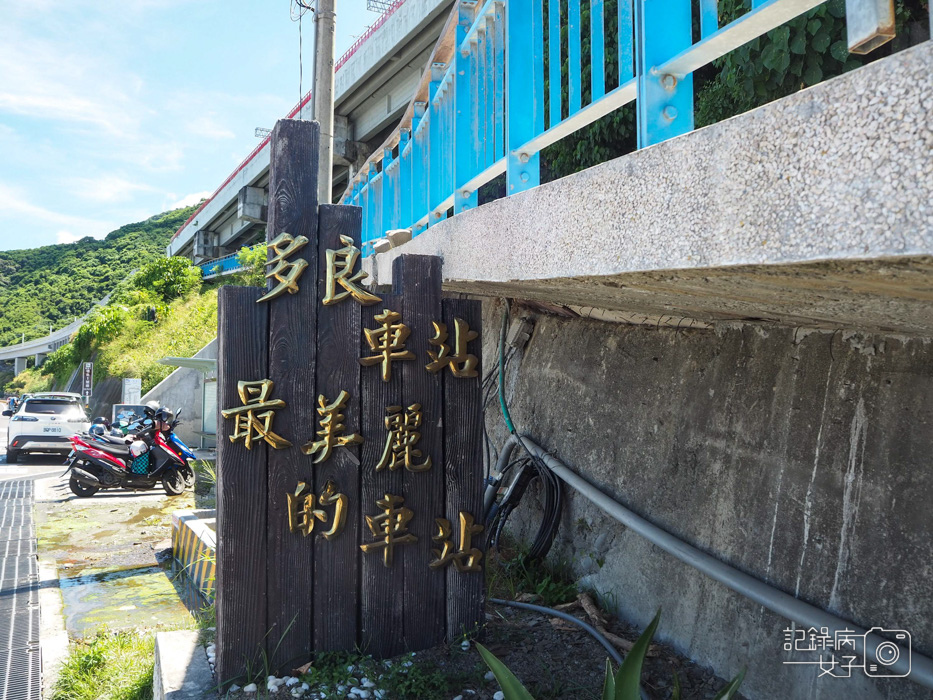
87	381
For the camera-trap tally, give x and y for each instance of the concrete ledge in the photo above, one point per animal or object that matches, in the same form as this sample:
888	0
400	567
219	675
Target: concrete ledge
825	195
194	546
181	668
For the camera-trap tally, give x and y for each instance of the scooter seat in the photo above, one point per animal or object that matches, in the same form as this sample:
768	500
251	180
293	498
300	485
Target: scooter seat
119	450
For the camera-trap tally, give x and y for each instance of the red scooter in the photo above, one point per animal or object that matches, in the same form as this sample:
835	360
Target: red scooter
135	464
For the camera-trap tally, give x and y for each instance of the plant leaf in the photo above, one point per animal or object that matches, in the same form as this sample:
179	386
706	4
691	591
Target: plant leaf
609	685
732	687
511	686
675	693
629	675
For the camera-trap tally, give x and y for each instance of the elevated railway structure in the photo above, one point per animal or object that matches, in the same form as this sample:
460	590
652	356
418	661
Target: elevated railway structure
374	83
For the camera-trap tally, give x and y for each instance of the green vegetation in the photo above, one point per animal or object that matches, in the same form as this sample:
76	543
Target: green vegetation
625	684
108	666
510	574
798	54
54	284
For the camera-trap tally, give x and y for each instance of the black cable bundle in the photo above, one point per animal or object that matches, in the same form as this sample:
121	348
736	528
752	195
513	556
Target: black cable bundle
528	468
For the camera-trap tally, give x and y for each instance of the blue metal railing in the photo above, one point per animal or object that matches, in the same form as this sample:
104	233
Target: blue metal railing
492	97
226	265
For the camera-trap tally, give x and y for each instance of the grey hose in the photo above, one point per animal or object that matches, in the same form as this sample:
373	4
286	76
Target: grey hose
570	618
564	616
919	668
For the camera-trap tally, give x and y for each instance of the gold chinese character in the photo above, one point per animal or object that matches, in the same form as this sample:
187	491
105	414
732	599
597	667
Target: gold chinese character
389	341
301	510
331	429
286	273
468	557
302	513
400	444
461	363
391	526
254	418
340	264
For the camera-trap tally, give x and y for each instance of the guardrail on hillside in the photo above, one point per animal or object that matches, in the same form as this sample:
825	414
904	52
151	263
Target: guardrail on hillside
492	98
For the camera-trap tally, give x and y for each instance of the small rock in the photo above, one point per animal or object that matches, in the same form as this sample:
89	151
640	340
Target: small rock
490	676
499	695
251	688
365	694
379	694
291	680
368	683
458	697
233	688
465	645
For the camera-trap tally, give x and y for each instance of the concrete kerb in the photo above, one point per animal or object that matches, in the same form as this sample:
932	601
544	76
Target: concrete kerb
53	637
182	671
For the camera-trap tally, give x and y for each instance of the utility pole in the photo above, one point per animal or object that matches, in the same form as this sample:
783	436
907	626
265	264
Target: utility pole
325	20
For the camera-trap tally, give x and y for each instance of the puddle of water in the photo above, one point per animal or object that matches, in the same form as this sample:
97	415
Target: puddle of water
121	599
147	512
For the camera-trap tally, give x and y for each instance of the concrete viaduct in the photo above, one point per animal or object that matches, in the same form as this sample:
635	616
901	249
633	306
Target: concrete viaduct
375	81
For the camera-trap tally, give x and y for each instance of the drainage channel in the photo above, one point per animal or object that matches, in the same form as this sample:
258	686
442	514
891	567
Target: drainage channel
20	658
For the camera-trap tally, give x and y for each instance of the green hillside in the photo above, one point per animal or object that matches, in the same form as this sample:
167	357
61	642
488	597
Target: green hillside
53	284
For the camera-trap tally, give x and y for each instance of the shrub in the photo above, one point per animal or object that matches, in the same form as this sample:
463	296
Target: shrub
168	278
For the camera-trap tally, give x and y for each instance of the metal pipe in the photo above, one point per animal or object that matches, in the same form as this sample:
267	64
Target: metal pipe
919	668
323	103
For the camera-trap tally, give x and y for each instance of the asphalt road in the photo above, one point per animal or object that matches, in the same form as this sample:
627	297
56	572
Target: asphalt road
36	466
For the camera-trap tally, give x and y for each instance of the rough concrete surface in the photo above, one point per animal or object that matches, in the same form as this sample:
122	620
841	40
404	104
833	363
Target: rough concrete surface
800	457
839	172
181	668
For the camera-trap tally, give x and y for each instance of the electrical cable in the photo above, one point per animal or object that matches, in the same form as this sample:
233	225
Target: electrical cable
495	514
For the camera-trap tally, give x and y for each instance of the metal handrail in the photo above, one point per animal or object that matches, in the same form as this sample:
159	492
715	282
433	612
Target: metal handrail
498	89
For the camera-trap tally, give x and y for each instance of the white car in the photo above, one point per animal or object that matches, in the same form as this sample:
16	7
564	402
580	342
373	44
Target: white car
44	424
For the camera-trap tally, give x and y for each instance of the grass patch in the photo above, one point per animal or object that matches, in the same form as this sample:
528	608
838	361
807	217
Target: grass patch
509	574
108	666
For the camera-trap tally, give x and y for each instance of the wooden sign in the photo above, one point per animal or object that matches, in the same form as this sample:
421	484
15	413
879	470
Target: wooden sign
349	461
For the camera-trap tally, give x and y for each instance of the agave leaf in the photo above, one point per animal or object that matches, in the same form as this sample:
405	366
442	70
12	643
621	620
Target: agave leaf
732	688
609	685
675	693
629	675
511	686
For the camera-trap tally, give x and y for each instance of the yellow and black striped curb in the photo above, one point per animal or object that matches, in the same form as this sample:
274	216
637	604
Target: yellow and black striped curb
194	545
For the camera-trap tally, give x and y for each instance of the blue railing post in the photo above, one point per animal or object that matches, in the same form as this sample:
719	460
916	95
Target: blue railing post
665	102
404	179
466	139
388	191
419	167
524	64
435	152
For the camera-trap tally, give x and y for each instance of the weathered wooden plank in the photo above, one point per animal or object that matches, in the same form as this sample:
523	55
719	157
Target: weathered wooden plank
337	560
381	612
242	328
292	322
419	278
463	468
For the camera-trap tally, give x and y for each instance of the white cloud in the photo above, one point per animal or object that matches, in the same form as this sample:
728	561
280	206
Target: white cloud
189	200
207	126
107	188
15	202
67	237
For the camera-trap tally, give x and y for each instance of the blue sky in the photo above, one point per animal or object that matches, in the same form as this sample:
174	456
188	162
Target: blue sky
111	112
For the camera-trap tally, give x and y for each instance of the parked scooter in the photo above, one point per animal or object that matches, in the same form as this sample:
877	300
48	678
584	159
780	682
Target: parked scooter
137	462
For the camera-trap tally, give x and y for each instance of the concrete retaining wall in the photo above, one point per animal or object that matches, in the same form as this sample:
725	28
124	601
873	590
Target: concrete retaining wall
800	457
183	388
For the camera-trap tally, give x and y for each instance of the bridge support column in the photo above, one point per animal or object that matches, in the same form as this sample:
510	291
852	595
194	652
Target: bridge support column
19	365
40	358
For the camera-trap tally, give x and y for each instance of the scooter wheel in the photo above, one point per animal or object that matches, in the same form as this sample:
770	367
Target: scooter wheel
188	474
174	483
81	490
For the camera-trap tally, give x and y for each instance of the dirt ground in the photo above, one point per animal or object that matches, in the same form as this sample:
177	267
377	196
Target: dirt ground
553	660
